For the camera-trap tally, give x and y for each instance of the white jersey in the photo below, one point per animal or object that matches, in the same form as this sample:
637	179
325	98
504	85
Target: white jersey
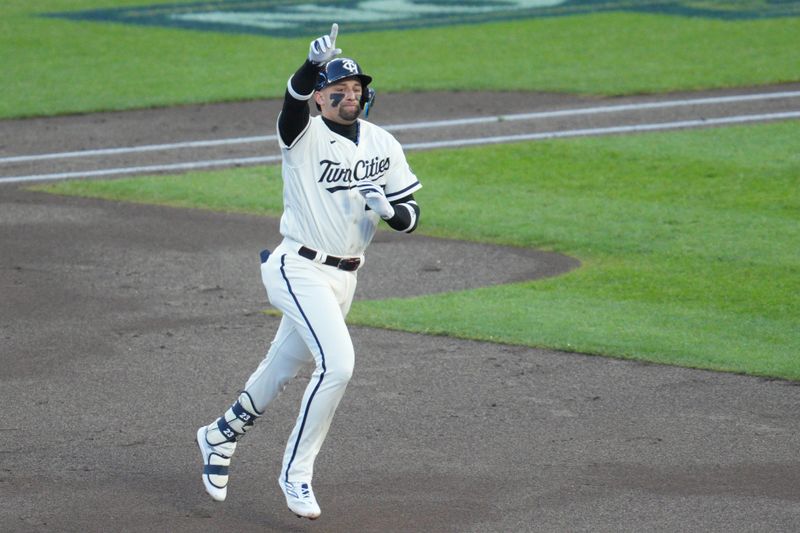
322	207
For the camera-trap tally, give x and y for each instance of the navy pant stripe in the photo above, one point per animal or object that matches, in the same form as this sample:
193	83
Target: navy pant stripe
321	377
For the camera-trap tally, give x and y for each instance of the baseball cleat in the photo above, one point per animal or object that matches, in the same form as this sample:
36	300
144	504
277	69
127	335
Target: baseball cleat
300	499
216	460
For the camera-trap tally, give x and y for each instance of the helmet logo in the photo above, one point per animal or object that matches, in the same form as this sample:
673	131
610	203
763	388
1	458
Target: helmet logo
350	65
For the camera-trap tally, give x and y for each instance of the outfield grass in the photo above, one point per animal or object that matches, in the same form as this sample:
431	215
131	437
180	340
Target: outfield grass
689	242
54	66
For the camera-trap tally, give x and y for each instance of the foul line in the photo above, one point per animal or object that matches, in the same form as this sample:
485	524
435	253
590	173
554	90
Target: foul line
427	145
604	131
138	170
416	125
142	148
596	110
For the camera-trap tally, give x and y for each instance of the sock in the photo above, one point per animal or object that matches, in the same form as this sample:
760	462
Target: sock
234	423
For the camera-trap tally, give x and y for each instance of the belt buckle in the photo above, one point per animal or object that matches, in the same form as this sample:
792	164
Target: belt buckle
348	264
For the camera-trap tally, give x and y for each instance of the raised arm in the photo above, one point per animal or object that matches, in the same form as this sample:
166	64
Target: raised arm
295	114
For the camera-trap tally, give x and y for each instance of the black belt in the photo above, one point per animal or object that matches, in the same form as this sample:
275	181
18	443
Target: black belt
342	263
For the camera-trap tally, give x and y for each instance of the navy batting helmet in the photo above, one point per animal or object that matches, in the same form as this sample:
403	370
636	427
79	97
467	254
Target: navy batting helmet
342	68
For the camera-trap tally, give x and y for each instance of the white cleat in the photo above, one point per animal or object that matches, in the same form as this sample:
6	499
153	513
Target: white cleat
300	499
216	460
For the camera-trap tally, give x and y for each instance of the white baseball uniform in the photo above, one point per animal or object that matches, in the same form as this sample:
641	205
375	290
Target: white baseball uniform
336	178
323	211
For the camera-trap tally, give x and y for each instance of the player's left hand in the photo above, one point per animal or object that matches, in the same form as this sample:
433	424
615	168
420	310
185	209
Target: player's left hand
376	199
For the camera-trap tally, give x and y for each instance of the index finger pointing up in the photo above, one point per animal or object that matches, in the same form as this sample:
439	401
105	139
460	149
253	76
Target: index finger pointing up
334	33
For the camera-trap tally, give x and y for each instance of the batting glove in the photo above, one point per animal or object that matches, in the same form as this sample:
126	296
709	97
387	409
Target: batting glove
324	48
376	199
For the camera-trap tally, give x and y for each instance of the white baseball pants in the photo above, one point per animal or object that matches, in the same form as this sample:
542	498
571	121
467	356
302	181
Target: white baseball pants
314	299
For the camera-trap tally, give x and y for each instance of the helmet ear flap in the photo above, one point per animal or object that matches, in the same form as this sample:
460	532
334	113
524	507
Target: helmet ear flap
322	80
367	100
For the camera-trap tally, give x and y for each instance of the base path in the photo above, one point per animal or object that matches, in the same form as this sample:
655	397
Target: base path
124	327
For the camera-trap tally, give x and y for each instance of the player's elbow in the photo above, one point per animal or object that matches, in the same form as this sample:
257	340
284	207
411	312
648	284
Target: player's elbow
406	217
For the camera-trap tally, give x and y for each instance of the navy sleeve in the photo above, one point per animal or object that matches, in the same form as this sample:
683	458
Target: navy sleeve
295	114
406	214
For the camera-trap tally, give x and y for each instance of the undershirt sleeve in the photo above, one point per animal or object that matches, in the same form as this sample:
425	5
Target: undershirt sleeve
295	115
406	214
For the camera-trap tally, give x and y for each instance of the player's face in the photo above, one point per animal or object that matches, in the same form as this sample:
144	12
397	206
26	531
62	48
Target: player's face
341	102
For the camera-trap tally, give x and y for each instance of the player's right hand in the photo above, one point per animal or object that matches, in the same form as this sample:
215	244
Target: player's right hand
323	49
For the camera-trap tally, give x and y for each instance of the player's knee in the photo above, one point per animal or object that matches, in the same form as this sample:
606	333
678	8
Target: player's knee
340	371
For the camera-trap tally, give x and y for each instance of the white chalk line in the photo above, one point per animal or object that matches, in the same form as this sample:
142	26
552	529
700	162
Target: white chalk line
636	128
144	169
598	110
416	125
141	148
421	146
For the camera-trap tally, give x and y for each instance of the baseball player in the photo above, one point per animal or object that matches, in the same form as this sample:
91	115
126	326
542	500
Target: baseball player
341	177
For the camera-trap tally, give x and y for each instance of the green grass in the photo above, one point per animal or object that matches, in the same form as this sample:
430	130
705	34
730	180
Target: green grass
689	242
53	66
254	190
